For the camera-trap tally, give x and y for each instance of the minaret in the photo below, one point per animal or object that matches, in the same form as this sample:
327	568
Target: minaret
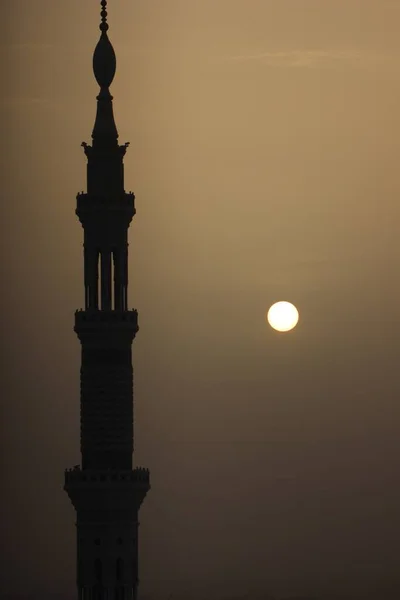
105	490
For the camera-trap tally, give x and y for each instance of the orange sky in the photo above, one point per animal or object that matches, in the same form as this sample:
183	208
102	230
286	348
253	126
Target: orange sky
264	159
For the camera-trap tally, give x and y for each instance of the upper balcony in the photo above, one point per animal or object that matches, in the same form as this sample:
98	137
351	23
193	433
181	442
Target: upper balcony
113	323
109	490
121	205
76	475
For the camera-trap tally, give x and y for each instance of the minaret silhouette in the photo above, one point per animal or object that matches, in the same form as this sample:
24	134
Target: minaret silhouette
106	491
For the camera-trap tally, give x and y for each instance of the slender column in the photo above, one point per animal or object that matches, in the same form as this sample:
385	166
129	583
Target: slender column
124	268
91	276
86	275
106	279
95	284
117	280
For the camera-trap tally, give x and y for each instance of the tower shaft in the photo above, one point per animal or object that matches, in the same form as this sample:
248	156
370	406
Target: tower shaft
105	490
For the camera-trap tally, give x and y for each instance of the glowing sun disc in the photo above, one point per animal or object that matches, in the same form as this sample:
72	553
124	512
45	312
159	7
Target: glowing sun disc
283	316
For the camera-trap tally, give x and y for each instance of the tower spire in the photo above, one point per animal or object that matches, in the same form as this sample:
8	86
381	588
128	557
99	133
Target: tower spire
105	156
104	67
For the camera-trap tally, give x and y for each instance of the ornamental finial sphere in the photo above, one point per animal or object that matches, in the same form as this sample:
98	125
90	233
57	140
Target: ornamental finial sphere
103	25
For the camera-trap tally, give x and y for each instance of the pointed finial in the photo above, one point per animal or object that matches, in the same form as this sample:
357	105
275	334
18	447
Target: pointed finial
104	63
103	24
104	66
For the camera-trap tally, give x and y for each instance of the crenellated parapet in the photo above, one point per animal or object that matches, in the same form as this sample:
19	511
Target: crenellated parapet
110	326
107	316
121	204
107	490
76	475
90	151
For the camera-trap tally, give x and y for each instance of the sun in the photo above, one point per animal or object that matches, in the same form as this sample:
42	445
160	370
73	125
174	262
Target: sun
283	316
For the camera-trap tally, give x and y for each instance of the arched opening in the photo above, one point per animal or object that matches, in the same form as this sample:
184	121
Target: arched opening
80	571
119	568
120	593
98	570
91	268
98	593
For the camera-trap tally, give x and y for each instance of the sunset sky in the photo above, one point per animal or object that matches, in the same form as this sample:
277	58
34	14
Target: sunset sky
264	158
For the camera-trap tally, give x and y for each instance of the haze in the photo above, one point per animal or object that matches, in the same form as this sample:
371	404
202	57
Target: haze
264	158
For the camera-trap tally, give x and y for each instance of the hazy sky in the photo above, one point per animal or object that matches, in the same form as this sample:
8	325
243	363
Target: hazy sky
265	161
